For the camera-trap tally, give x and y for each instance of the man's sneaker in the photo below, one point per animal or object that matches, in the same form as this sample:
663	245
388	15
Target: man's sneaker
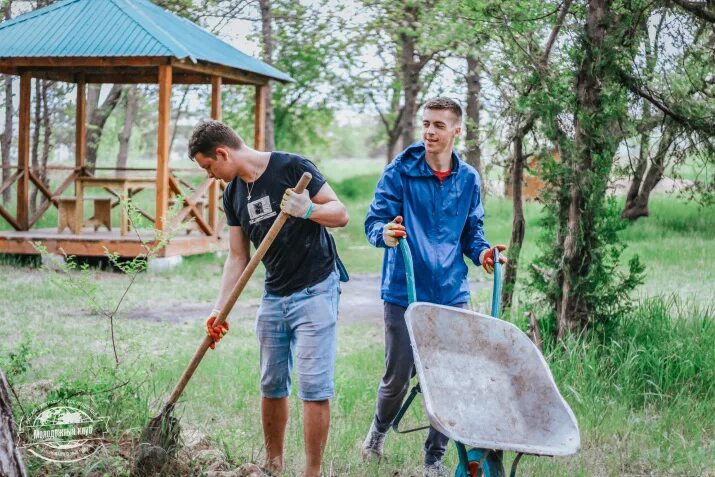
372	447
436	469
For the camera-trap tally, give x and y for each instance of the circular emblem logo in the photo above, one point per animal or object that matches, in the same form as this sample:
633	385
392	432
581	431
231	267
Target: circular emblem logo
62	432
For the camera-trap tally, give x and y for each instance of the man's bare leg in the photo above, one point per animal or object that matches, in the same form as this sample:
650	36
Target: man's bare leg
316	423
274	415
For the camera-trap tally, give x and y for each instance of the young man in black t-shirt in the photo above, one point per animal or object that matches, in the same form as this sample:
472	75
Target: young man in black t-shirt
299	308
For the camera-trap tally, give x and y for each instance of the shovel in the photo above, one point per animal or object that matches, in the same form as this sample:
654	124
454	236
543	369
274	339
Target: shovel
160	438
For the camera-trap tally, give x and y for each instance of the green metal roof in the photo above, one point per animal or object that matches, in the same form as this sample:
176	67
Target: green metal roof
119	28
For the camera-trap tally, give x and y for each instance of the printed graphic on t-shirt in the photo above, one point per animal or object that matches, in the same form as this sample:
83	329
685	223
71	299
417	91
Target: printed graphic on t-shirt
260	209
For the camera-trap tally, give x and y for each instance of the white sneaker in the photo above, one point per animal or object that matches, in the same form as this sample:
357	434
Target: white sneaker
436	470
372	447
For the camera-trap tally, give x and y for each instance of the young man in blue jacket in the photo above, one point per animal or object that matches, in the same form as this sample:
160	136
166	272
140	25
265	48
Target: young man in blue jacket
430	197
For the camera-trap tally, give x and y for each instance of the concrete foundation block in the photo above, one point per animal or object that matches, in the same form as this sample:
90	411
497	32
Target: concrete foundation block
53	261
164	264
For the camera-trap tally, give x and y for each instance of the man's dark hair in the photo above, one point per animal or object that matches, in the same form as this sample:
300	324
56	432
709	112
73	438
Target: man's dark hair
210	134
445	103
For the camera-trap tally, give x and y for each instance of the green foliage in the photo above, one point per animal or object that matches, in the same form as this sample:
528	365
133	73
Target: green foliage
16	362
606	289
307	46
238	109
112	392
358	188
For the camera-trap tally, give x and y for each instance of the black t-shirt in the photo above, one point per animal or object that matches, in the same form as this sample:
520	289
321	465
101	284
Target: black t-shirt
303	253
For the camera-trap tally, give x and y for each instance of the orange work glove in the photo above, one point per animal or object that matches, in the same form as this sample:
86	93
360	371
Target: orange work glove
215	332
487	258
392	232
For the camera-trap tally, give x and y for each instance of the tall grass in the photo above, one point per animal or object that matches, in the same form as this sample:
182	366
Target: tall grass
660	352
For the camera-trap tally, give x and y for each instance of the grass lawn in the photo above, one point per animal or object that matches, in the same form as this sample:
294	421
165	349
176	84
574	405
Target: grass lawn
635	417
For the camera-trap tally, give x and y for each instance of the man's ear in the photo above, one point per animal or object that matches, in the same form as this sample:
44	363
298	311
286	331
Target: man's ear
457	130
221	154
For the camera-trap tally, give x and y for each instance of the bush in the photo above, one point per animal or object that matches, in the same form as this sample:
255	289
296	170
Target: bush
603	288
16	362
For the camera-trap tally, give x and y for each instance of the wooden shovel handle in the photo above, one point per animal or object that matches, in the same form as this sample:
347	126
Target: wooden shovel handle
236	292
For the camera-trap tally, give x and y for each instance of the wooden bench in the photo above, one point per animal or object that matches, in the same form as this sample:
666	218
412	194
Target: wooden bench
102	212
67	216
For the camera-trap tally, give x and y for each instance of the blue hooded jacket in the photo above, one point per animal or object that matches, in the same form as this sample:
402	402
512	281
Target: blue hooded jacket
444	222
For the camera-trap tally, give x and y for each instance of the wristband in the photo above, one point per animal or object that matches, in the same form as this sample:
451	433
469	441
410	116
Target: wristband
215	312
310	211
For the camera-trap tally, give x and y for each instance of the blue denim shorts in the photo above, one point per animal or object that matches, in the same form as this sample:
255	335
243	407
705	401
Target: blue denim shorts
301	326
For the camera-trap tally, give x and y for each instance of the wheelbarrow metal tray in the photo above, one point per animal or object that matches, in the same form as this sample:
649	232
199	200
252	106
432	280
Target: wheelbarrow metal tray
486	385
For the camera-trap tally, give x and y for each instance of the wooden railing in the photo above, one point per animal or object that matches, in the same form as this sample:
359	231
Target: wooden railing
206	222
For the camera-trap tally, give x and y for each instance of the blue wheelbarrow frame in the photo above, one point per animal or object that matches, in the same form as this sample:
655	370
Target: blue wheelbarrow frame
430	320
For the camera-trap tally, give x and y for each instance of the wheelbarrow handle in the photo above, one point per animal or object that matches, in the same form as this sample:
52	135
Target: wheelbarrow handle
410	274
496	289
409	271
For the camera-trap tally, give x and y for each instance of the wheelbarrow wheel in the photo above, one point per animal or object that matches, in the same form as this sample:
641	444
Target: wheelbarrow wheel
478	466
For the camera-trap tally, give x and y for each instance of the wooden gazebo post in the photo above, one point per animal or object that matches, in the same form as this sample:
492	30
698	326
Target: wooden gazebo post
162	147
80	147
216	83
23	153
259	121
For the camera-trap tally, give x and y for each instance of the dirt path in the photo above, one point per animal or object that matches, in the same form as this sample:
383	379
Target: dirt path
359	303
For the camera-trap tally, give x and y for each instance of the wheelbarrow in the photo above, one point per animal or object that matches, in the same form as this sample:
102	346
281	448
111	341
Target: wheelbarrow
485	385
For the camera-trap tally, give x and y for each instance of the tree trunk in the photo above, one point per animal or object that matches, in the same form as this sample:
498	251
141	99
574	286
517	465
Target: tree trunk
518	228
126	132
638	206
6	138
641	165
591	149
11	464
410	68
47	129
97	120
411	88
37	125
473	150
393	144
179	112
644	153
93	91
639	190
267	36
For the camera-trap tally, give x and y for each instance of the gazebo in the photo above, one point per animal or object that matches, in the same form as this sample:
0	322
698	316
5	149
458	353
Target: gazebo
126	42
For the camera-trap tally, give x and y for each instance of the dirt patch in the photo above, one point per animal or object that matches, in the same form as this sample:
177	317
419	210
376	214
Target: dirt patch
189	312
359	303
360	300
